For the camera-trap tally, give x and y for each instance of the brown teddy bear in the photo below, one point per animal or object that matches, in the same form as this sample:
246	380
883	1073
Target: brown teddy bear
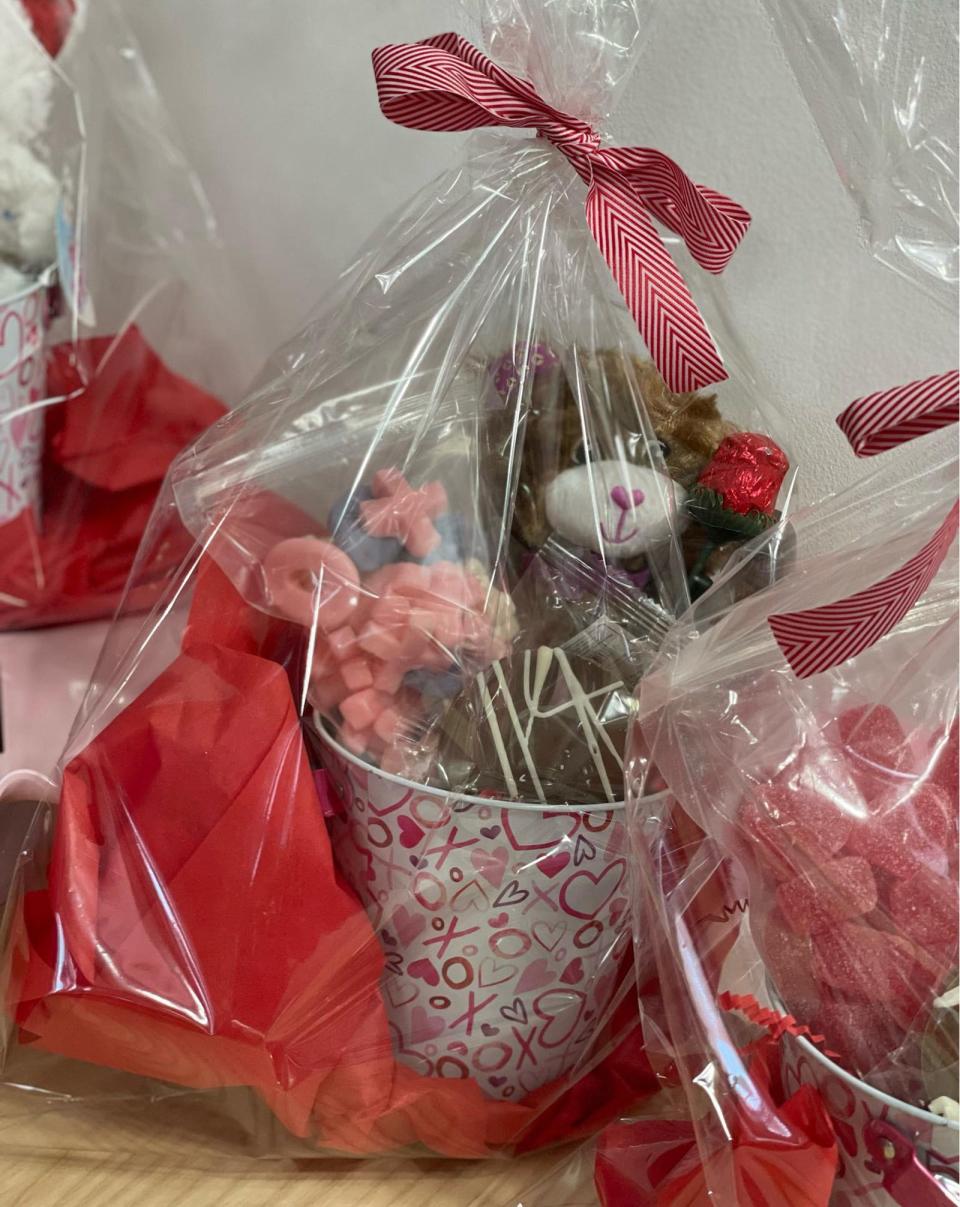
625	401
610	465
591	469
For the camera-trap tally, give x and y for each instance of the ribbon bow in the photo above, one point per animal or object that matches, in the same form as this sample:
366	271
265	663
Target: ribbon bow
445	83
817	639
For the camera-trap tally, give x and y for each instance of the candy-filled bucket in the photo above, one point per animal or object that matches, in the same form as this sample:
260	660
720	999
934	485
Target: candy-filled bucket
894	1152
504	924
22	382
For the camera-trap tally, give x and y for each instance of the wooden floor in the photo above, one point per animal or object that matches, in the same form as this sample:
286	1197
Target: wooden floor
194	1151
48	1181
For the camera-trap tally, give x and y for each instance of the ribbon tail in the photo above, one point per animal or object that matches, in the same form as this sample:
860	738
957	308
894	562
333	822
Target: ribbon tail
817	639
653	287
890	418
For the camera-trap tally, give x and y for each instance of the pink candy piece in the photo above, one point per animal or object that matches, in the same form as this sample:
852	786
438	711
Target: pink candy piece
946	769
874	743
827	894
361	709
356	674
390	726
326	692
387	678
910	828
451	585
872	965
863	1033
789	957
924	906
380	642
401	511
342	643
792	825
353	739
398	578
312	582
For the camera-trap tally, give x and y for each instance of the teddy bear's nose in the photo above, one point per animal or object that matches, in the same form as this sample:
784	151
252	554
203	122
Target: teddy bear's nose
626	500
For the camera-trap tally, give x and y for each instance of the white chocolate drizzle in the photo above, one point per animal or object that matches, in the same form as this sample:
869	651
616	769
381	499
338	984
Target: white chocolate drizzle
580	701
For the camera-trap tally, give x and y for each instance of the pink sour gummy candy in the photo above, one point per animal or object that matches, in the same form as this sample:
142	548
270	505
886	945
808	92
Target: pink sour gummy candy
828	893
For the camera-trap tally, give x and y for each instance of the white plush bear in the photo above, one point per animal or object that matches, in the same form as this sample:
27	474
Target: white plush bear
28	189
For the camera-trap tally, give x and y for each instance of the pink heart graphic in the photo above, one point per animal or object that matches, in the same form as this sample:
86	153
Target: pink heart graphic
534	976
498	920
19	429
425	1026
527	830
410	833
617	911
472	896
573	972
547	934
408	925
604	988
11	341
491	864
400	992
615	842
553	864
392	806
560	1010
491	972
584	895
423	970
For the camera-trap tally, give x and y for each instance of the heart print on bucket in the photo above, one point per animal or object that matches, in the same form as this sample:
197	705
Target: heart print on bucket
504	926
22	380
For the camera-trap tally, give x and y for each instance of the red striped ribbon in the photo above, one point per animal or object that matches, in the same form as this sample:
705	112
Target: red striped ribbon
890	417
445	83
817	639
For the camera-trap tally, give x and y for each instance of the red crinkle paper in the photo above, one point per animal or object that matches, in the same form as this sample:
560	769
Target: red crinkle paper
773	1149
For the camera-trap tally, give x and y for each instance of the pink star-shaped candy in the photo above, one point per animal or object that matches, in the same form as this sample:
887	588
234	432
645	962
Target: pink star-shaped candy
404	512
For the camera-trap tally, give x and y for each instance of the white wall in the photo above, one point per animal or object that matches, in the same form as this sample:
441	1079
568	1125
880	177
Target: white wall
276	105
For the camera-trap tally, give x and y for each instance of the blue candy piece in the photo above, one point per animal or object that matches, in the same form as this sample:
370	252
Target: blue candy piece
435	684
367	552
454	541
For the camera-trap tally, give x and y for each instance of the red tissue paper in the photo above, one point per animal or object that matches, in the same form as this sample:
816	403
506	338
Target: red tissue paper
194	929
781	1150
108	445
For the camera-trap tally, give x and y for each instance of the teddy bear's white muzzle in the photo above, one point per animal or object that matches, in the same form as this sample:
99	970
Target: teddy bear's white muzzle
613	507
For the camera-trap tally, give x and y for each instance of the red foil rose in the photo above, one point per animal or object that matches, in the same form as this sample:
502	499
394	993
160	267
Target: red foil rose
746	471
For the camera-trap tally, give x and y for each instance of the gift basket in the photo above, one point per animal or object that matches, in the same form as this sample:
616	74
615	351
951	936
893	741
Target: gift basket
121	334
340	838
811	743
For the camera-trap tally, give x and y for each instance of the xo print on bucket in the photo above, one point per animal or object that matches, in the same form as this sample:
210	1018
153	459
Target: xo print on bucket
22	379
503	927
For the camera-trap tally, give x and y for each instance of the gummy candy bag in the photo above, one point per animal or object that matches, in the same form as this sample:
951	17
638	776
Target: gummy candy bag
809	739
